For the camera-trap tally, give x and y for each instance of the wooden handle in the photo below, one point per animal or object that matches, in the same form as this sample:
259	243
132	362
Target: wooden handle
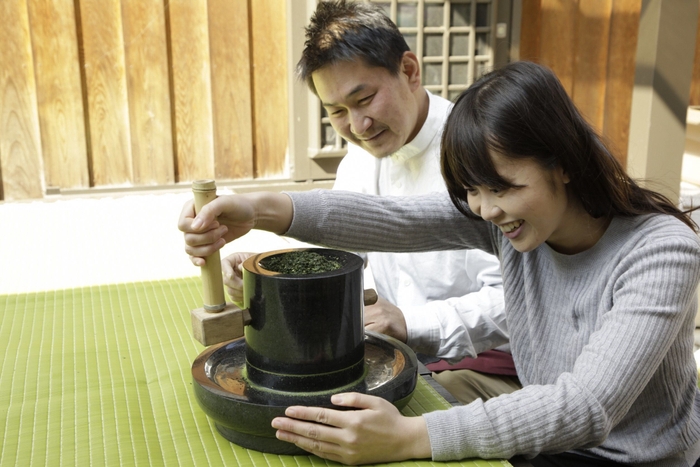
370	297
212	279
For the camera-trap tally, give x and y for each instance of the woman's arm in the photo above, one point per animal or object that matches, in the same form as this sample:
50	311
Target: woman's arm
229	217
340	219
604	360
361	222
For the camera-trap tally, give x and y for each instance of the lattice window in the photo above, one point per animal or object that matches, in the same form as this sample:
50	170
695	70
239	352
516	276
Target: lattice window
453	39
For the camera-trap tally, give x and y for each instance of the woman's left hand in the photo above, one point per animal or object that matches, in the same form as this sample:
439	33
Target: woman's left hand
376	432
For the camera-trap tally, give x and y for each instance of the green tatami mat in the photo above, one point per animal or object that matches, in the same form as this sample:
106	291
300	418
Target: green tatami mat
100	376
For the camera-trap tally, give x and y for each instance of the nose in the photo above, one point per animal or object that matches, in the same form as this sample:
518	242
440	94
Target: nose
487	208
359	123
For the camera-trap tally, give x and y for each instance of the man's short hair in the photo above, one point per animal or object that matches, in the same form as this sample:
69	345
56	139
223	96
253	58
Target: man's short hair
350	31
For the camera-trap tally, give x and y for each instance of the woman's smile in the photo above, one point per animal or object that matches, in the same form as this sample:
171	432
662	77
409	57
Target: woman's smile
512	230
511	227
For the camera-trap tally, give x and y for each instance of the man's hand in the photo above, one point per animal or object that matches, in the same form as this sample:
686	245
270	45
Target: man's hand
376	432
387	319
232	269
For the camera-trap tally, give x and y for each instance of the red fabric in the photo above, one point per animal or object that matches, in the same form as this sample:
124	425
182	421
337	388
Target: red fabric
492	362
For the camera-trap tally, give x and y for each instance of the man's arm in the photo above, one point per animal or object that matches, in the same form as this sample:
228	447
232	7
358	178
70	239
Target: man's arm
467	325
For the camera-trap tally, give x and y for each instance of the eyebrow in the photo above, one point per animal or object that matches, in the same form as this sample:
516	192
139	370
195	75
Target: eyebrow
352	92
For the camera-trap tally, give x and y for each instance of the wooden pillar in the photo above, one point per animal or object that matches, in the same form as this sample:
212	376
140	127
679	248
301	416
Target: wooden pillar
664	64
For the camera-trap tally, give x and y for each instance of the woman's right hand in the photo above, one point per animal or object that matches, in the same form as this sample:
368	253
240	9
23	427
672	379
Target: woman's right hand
229	217
232	269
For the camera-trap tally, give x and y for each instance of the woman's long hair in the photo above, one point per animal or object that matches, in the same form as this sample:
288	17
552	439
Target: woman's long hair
522	111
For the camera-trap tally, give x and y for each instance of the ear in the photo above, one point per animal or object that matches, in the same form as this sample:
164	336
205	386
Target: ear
564	175
410	67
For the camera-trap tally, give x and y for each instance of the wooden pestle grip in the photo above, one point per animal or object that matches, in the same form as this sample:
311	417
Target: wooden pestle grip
370	297
212	278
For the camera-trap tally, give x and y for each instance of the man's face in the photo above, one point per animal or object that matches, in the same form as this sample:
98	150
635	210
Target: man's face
368	106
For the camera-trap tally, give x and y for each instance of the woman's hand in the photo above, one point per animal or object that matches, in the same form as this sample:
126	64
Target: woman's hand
229	217
377	432
232	270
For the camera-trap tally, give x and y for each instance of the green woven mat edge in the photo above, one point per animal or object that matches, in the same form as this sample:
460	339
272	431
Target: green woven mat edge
101	376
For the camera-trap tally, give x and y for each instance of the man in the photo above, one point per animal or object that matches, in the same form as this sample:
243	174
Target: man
440	303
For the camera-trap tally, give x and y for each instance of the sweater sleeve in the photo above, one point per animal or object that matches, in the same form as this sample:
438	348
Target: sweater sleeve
362	222
634	373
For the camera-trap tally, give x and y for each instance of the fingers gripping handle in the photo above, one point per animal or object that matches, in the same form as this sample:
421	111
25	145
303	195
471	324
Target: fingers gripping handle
370	297
212	279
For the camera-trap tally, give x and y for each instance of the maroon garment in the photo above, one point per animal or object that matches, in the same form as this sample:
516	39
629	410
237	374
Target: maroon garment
492	362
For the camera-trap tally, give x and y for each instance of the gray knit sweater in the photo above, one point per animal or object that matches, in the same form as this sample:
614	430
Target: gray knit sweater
602	340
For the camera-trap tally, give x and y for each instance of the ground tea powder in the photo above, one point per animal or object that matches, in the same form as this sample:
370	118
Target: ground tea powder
301	262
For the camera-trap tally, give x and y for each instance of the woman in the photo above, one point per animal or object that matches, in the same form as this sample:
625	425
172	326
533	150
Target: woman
600	280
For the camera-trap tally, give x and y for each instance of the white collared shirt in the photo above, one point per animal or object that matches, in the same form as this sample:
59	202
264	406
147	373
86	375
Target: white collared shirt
452	300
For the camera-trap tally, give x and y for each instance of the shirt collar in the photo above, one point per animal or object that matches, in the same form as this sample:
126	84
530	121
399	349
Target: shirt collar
430	129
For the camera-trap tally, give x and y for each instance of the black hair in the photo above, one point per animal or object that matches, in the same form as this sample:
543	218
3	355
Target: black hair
349	31
521	110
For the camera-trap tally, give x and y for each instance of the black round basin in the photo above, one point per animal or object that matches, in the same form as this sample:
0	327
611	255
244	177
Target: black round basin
242	410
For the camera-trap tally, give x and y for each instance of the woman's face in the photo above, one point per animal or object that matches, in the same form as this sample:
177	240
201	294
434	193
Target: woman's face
538	210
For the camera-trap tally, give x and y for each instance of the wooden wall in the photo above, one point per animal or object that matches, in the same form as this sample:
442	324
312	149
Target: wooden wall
103	93
591	46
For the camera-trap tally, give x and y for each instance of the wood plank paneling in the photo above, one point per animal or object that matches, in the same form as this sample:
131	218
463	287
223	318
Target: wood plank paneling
20	149
558	36
149	92
103	43
268	22
97	93
189	38
591	47
620	79
59	93
231	89
530	30
591	59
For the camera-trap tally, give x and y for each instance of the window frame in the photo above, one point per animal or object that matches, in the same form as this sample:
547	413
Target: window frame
309	158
